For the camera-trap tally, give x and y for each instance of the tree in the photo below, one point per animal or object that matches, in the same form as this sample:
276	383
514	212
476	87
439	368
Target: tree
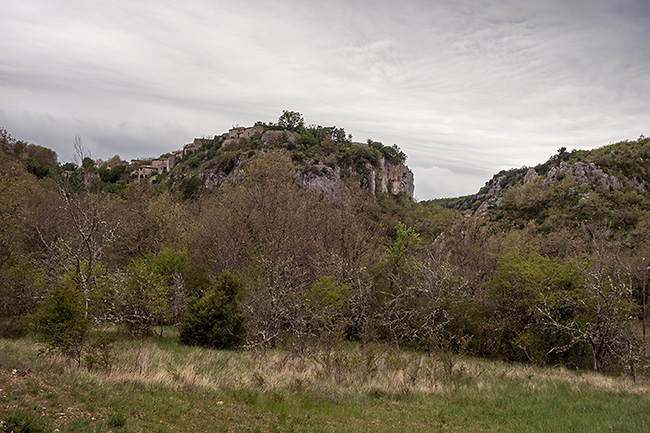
21	279
518	282
215	320
150	292
61	324
601	315
76	228
291	121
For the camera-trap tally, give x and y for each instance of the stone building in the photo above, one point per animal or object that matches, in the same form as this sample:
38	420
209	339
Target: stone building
155	166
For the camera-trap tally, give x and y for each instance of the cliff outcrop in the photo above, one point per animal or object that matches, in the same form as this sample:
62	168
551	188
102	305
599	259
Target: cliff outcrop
391	178
321	158
385	178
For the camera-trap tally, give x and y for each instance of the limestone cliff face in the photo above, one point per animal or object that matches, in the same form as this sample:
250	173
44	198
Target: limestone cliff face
391	178
325	180
583	173
490	195
386	177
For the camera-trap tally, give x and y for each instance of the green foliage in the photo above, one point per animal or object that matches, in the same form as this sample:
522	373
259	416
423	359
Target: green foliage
60	322
359	156
408	240
194	161
215	320
150	293
519	282
326	292
393	154
100	353
189	186
227	162
291	121
112	175
326	301
88	164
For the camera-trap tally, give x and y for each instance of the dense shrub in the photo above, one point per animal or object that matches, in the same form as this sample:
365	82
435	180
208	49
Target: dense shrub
215	320
13	327
61	324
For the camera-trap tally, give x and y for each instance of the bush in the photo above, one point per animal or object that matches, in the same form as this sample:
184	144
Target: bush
13	327
101	352
60	322
215	320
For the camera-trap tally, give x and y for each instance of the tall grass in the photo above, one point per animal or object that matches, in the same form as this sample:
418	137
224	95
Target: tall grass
160	384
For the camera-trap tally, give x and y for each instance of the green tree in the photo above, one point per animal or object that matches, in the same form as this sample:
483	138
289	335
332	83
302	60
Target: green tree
151	292
215	320
601	314
291	121
408	240
61	324
519	281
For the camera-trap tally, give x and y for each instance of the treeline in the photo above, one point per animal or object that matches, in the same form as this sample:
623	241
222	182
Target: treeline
264	262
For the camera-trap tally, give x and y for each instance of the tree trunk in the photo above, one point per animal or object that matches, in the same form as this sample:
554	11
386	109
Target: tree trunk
596	354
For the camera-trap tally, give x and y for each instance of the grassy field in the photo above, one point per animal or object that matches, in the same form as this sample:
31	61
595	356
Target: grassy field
162	386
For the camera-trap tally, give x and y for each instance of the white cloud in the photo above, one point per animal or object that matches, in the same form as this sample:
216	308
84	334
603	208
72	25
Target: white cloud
436	181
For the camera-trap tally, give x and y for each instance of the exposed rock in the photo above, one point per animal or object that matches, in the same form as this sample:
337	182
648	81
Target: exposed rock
396	178
393	178
531	175
489	194
212	178
582	173
324	179
388	178
276	138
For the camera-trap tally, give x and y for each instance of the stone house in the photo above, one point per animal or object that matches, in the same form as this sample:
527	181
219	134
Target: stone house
197	143
156	165
241	132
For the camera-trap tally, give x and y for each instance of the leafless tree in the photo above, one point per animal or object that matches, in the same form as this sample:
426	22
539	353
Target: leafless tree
600	315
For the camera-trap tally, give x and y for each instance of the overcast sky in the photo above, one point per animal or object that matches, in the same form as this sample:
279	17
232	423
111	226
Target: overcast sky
465	87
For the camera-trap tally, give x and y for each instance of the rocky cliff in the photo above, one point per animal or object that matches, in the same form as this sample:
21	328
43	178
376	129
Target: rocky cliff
611	170
386	178
391	178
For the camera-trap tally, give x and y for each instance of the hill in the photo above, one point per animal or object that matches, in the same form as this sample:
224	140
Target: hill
324	159
607	185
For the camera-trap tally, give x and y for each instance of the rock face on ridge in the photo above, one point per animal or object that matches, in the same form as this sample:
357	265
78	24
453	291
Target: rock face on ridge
324	179
319	158
387	178
582	173
391	178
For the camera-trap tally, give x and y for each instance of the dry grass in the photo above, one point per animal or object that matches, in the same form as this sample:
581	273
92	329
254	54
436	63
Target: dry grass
369	369
352	389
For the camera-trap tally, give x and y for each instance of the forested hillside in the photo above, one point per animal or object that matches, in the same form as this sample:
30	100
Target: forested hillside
293	236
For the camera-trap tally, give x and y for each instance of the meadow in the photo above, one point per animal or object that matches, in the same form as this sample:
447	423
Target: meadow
159	385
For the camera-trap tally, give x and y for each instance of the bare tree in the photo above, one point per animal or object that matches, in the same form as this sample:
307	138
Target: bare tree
601	315
76	233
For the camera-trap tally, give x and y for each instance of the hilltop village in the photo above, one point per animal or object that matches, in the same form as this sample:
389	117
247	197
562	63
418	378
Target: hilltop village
148	167
377	172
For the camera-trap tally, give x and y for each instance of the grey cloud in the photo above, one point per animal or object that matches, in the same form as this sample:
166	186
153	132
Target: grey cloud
466	88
